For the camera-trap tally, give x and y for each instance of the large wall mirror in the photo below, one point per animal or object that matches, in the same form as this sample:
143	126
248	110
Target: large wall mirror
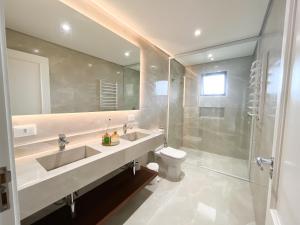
60	61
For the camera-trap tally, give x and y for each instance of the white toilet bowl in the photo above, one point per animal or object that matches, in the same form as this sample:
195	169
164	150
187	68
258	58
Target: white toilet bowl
172	158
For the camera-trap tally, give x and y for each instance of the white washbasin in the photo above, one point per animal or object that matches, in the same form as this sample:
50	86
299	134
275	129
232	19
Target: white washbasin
134	136
65	157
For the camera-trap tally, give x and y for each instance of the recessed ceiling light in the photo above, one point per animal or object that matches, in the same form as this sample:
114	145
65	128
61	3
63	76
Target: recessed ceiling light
212	59
197	33
127	54
36	50
90	65
65	27
209	55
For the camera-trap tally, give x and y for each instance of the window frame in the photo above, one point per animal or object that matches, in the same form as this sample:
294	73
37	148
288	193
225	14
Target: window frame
212	74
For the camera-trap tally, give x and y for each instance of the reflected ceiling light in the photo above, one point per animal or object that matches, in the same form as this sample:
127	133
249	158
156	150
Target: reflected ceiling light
197	33
127	54
90	65
36	50
153	67
212	59
118	72
65	27
209	55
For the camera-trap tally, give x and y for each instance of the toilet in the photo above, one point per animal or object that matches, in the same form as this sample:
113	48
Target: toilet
172	159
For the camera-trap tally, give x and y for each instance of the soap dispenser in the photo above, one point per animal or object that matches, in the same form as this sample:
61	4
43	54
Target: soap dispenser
106	138
115	139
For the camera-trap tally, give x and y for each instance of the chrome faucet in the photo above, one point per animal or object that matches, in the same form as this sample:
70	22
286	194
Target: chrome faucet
125	128
62	142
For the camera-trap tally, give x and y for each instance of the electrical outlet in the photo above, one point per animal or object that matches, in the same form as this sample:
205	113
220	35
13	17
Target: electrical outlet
25	130
131	118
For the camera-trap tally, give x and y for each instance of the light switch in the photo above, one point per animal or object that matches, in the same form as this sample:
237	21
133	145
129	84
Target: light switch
25	130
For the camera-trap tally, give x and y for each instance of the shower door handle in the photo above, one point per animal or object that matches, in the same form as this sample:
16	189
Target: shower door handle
260	161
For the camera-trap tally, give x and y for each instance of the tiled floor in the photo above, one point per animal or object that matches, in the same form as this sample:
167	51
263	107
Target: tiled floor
220	163
203	197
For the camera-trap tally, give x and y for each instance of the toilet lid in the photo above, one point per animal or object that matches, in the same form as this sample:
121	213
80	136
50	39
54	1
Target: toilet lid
174	153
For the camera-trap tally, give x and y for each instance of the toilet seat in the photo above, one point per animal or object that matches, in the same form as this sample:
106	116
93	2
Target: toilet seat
173	153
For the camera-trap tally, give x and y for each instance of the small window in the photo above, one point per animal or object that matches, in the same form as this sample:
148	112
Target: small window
214	84
161	87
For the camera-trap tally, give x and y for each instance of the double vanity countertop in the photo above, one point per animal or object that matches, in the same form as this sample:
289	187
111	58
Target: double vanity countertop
38	187
30	171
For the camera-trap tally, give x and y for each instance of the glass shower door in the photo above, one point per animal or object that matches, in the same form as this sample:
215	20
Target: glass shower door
216	126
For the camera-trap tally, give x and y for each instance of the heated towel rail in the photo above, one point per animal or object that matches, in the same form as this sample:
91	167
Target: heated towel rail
108	96
255	87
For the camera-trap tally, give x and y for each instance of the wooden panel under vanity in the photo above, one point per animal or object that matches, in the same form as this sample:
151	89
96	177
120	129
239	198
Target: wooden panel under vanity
98	205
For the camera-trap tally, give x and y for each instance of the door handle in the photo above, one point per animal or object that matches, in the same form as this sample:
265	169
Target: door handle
261	162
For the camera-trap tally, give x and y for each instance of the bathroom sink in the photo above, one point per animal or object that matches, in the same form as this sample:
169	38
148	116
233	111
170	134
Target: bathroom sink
134	136
65	157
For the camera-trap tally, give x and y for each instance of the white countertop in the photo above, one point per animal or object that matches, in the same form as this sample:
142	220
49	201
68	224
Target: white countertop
30	172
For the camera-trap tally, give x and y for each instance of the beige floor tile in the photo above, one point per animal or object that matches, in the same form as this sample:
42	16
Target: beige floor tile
203	197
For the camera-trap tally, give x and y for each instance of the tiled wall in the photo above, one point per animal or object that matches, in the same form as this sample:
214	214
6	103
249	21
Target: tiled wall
226	130
131	98
75	77
175	125
153	108
269	47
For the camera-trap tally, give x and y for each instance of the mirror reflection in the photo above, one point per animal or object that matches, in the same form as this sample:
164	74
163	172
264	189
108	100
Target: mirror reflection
52	70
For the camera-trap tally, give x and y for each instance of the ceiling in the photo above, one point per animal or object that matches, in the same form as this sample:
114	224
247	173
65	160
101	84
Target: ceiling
220	53
170	24
43	19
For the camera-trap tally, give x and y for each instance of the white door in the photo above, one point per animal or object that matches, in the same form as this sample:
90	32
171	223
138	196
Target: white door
9	214
284	188
29	86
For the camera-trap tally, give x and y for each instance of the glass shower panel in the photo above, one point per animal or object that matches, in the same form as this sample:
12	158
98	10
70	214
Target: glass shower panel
216	127
175	107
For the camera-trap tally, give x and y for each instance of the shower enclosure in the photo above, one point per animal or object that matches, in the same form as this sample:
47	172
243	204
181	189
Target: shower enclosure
208	114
